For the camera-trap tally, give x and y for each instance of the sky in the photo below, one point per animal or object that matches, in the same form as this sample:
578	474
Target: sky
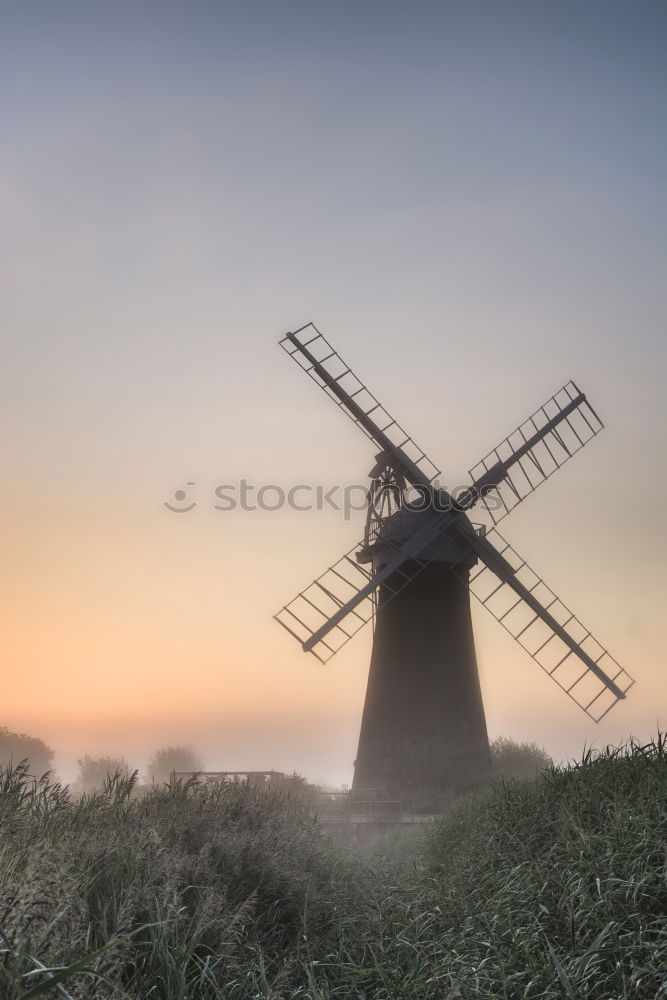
467	198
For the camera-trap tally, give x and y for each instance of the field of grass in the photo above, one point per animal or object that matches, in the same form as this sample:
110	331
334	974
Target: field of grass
547	888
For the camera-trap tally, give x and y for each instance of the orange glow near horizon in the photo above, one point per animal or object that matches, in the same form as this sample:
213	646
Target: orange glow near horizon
148	628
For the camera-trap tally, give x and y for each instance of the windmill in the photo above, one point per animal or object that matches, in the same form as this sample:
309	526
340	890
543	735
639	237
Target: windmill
423	731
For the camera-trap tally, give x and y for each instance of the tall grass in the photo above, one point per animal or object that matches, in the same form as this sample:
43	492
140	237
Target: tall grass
547	888
193	887
558	887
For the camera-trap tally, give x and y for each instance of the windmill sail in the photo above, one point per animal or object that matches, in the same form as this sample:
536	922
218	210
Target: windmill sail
555	638
315	355
339	602
317	603
534	451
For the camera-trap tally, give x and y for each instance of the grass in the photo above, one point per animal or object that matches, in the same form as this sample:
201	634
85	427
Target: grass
558	886
547	888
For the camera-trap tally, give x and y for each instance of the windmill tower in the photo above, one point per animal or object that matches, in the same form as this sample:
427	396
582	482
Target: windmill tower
423	731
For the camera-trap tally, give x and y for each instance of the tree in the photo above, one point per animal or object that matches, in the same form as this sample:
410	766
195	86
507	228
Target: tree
510	759
15	747
94	771
169	759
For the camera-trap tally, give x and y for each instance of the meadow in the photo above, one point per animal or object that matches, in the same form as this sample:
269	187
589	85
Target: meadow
552	887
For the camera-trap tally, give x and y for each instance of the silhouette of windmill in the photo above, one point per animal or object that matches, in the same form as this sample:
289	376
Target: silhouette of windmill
423	730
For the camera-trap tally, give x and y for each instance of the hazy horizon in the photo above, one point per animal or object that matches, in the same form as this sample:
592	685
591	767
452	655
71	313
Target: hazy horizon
468	200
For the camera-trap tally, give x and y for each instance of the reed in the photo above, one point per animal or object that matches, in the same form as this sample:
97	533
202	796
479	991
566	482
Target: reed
545	888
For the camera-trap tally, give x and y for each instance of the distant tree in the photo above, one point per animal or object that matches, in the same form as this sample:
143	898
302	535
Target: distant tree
93	771
296	782
169	759
511	759
296	785
15	747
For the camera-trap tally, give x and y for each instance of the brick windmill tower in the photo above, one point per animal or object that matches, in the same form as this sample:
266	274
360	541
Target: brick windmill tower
423	732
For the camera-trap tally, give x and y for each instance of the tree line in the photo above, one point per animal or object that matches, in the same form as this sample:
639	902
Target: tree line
509	759
94	771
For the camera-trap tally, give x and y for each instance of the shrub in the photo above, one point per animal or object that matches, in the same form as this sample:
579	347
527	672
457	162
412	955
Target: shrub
169	759
510	759
15	747
95	771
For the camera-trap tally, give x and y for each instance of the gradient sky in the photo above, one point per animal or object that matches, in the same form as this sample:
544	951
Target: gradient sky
467	197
